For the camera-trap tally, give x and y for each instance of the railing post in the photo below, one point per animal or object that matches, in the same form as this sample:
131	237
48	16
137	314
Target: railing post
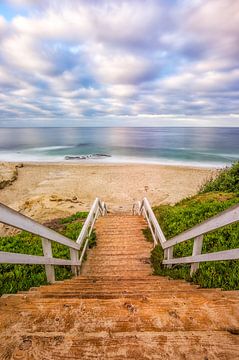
197	249
47	251
74	257
168	254
155	235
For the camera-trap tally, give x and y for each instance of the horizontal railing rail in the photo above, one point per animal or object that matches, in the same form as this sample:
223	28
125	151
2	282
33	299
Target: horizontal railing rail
15	258
197	232
226	217
216	256
11	217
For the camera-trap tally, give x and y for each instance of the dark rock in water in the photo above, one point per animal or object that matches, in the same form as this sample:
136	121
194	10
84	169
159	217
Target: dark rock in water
85	157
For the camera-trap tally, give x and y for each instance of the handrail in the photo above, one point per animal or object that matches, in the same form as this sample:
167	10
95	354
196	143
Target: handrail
135	205
97	207
90	218
13	218
148	213
17	258
226	217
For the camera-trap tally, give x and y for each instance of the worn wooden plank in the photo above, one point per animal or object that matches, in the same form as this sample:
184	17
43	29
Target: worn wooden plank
153	231
13	258
216	256
145	205
74	257
226	217
136	208
47	251
169	255
13	218
84	250
197	249
90	218
103	208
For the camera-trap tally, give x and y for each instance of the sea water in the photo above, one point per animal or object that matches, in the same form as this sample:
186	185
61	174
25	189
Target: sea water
213	147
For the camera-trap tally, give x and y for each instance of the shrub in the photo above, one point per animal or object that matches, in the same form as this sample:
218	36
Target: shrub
227	180
14	278
215	196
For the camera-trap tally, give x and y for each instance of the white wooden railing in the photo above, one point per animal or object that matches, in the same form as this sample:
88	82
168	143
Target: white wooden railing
77	249
226	217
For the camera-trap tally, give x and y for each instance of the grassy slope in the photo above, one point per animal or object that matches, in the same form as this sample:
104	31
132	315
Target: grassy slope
14	278
215	196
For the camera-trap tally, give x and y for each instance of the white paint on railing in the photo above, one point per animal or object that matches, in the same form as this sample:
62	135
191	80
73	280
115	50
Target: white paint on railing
197	249
87	223
11	217
157	234
83	239
47	251
216	256
13	258
74	254
134	209
226	217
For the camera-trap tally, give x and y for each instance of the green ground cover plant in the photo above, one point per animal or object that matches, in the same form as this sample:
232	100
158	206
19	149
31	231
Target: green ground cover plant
215	196
15	278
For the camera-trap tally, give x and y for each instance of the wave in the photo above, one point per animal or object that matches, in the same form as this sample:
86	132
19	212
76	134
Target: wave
49	148
41	158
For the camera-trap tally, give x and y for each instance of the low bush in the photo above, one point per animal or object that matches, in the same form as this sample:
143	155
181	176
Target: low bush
217	195
14	278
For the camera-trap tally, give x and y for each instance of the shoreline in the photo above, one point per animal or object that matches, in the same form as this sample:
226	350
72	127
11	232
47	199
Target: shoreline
103	164
46	191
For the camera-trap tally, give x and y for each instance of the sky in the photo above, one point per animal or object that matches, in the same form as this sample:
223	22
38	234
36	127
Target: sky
119	63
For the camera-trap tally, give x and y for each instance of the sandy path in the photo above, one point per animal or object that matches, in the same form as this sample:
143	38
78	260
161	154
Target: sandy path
46	191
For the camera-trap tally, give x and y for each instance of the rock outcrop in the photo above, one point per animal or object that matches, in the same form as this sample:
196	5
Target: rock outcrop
8	174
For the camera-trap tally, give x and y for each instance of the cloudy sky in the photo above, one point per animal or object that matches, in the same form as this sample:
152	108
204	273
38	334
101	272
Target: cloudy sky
129	62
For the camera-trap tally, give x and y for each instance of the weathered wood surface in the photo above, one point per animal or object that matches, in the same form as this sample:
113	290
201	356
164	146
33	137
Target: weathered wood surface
118	310
47	251
226	217
13	218
86	230
14	258
216	256
156	231
197	249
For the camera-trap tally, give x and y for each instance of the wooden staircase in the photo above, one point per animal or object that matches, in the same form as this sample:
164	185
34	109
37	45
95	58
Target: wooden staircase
117	310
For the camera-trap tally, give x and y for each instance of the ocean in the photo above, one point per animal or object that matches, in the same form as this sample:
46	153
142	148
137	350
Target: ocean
203	147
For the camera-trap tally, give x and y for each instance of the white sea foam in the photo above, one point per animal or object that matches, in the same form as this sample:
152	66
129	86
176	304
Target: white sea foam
182	147
48	148
39	157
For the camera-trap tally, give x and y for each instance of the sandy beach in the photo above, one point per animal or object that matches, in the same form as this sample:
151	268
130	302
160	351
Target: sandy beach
45	191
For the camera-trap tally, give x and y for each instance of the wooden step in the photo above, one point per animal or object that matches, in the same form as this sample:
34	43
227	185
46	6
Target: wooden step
116	309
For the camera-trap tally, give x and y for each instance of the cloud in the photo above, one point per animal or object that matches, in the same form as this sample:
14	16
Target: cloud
121	68
80	59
